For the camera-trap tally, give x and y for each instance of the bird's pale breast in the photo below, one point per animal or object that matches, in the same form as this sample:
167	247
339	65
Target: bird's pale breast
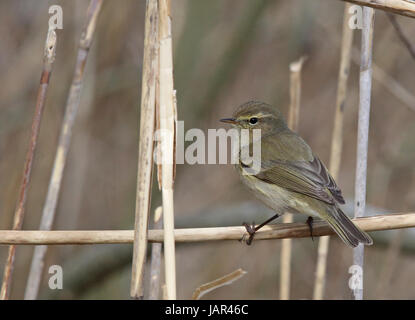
279	199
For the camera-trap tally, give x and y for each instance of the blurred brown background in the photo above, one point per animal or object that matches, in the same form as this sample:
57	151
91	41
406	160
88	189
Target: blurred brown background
225	53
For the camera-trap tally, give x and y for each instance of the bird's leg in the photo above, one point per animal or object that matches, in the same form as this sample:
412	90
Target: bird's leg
251	229
310	226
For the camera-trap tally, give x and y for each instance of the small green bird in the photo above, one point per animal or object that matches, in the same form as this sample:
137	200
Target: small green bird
291	178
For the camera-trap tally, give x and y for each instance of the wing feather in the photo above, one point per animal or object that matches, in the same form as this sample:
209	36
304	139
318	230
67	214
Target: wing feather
297	169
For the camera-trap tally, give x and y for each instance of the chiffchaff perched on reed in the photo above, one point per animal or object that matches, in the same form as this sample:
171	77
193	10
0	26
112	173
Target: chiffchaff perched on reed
291	178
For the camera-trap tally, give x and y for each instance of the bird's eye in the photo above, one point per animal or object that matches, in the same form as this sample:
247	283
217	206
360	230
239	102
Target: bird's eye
253	120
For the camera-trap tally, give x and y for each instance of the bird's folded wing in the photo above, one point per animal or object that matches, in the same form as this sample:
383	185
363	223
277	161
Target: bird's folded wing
310	178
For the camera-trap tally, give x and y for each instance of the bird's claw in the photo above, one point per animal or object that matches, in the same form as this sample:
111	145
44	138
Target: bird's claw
250	229
310	226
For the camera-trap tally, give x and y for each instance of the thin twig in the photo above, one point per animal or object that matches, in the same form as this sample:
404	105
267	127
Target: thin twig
146	146
72	106
387	81
293	120
392	85
167	127
365	89
215	284
336	144
401	35
48	59
402	7
155	268
274	231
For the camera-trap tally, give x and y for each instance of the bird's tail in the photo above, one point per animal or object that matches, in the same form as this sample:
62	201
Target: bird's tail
346	229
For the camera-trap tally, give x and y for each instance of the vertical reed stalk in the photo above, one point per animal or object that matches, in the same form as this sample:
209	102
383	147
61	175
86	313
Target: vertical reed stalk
167	127
156	259
146	146
48	59
336	144
365	85
293	120
72	106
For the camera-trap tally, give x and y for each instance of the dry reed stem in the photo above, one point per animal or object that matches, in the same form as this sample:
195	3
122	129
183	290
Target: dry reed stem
293	120
155	268
336	144
164	292
167	126
274	231
402	7
48	59
295	93
72	106
365	87
220	282
158	142
146	146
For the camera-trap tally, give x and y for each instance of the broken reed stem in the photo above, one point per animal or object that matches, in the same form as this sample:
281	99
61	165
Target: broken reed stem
72	106
401	35
295	94
155	267
336	144
274	231
167	127
365	87
218	283
293	120
146	146
402	7
48	59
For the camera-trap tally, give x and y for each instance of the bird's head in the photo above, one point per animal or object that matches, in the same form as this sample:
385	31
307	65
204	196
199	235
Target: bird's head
257	115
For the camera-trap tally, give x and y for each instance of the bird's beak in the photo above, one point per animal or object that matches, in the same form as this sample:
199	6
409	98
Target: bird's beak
229	120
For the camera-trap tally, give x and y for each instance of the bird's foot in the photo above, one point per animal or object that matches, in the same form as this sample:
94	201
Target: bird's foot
250	229
310	226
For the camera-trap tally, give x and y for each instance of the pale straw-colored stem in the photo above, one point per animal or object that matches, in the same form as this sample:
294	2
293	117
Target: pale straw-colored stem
48	59
336	144
293	120
273	231
146	146
365	89
402	7
217	283
155	266
167	126
72	106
